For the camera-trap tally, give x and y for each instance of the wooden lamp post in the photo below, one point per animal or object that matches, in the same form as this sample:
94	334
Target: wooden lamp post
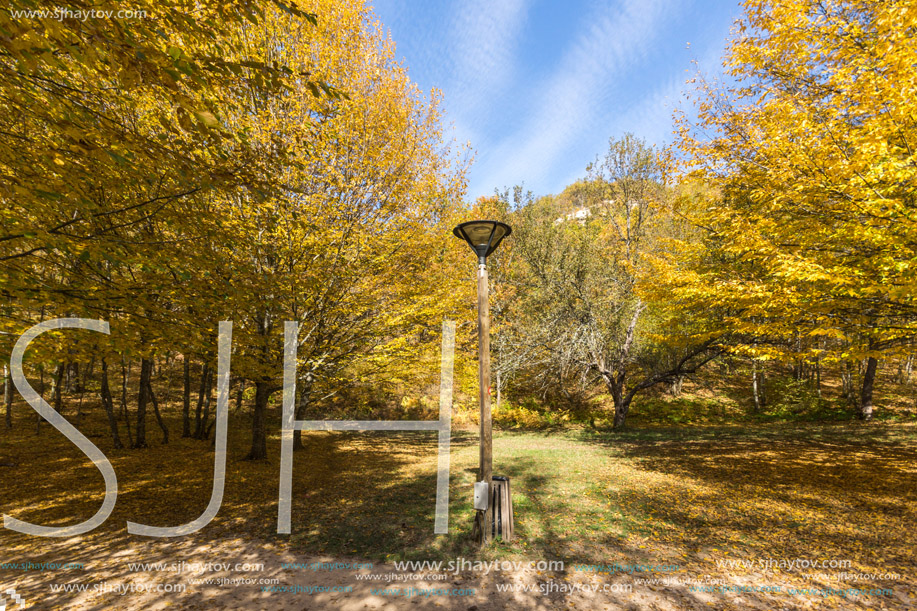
484	237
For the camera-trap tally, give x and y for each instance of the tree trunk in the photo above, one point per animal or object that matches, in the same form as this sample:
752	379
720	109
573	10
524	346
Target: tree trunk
239	392
8	396
186	399
302	404
203	392
109	405
622	406
853	380
677	384
847	380
259	434
620	400
162	425
56	394
81	389
904	369
125	367
41	393
146	369
208	398
70	377
754	385
762	387
818	375
869	376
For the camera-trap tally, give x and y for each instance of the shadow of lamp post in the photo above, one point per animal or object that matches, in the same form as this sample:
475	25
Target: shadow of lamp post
484	237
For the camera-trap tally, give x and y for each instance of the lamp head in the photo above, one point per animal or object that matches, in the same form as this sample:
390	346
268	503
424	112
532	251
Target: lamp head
482	236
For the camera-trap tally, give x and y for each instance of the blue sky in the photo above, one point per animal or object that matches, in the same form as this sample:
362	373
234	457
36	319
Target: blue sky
539	86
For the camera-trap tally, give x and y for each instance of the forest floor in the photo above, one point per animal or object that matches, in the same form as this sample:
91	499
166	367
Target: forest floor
769	516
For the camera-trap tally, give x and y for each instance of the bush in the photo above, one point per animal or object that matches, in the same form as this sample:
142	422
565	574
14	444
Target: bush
529	416
793	399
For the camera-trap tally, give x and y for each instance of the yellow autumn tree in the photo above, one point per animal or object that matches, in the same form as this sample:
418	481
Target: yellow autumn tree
113	144
810	148
581	298
349	242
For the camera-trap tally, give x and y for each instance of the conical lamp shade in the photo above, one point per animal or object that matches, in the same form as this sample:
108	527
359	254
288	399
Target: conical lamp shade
482	236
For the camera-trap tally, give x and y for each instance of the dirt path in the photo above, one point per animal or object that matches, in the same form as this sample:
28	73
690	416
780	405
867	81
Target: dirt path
238	574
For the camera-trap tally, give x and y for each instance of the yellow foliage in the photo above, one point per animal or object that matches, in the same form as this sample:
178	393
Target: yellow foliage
810	157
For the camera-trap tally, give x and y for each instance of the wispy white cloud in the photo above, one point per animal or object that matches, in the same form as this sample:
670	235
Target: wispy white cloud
617	39
418	34
650	119
537	98
468	49
485	35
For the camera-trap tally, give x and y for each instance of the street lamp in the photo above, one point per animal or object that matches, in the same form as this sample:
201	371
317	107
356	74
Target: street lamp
484	237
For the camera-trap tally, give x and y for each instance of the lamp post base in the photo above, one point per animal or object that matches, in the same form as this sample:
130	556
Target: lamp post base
501	514
477	531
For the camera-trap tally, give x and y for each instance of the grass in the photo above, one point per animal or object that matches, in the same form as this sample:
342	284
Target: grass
673	495
719	396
